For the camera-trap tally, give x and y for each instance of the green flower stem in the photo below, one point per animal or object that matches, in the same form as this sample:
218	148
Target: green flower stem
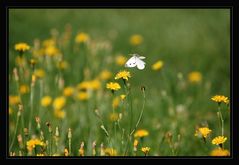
15	131
221	119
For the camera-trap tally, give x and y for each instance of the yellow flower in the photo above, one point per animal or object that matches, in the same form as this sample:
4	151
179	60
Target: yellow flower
59	113
141	133
136	142
115	102
46	101
66	152
13	100
203	131
114	116
122	97
158	65
10	111
95	84
22	47
110	152
82	38
52	51
195	77
21	61
105	75
220	98
59	102
24	89
219	140
113	86
68	91
145	150
83	96
136	39
31	144
120	60
40	73
219	152
62	65
49	43
86	85
125	75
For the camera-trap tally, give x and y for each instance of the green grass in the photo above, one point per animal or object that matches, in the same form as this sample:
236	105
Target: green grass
184	39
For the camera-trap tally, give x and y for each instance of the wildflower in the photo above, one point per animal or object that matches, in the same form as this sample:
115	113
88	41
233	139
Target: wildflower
13	100
24	89
125	75
32	63
20	61
220	98
62	65
115	102
83	96
136	39
136	142
59	113
82	38
66	152
81	150
203	131
22	47
158	65
113	86
219	152
31	144
195	77
86	85
10	111
68	91
95	84
120	60
59	102
141	133
52	51
145	150
114	116
122	97
46	101
105	75
219	140
40	73
110	152
49	43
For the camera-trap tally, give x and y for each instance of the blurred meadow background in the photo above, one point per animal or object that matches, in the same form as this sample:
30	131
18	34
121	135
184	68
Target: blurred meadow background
61	60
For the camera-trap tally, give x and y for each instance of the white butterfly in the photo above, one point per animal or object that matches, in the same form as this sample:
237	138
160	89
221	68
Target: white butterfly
136	60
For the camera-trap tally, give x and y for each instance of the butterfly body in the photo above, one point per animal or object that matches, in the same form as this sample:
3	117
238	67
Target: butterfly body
136	61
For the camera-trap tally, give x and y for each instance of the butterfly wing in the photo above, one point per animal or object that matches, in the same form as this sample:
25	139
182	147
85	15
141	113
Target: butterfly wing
140	64
131	62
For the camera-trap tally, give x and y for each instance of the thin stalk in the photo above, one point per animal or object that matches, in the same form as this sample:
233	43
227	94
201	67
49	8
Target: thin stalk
15	131
31	107
221	119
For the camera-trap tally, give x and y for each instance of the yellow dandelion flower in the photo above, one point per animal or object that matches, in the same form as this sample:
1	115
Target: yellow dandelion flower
158	65
125	75
40	73
82	38
68	91
13	100
115	102
145	150
136	142
219	152
203	131
52	51
95	84
59	113
24	89
122	97
10	111
141	133
82	96
120	60
22	47
46	101
136	39
59	102
66	152
20	61
32	143
105	75
49	43
84	85
220	98
219	140
113	86
62	65
114	117
110	152
195	77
